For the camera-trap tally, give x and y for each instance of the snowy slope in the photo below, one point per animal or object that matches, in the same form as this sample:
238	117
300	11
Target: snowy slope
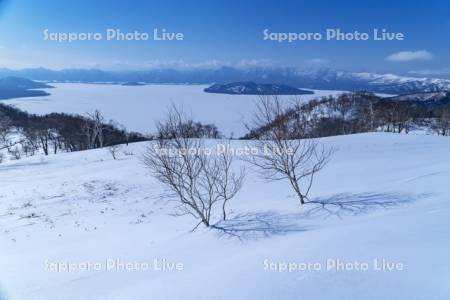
86	207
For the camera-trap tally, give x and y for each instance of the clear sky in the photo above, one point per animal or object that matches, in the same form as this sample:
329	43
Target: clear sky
228	32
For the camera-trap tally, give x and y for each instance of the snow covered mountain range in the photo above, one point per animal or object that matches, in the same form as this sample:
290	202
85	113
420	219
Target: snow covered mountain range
380	83
442	97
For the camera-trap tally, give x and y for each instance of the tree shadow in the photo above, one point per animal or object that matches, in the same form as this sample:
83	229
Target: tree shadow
351	204
20	165
254	226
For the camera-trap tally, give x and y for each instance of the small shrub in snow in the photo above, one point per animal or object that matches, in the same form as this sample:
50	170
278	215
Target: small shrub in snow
128	153
114	150
15	152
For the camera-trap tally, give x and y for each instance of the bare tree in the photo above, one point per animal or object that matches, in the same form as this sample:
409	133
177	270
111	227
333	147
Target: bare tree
197	178
365	113
89	133
122	127
393	108
113	150
442	125
282	155
94	129
5	129
28	147
15	152
229	183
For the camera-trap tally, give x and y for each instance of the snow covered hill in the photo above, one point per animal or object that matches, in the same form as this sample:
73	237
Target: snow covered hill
251	88
426	97
85	210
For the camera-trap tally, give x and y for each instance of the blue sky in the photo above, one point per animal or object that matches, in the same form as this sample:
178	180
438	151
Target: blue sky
228	33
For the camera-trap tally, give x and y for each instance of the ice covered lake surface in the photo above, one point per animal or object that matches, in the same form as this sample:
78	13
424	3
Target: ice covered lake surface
138	107
85	207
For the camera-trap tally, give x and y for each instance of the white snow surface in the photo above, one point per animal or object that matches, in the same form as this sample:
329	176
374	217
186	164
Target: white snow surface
86	207
139	107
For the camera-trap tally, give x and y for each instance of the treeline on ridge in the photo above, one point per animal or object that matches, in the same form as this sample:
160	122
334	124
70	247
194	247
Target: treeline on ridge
358	112
60	131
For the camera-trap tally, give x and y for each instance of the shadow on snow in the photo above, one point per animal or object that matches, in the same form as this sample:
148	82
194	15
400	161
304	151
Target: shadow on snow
251	226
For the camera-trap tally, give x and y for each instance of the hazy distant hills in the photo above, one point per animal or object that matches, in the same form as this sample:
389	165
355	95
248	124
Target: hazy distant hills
133	83
16	87
251	88
327	79
426	98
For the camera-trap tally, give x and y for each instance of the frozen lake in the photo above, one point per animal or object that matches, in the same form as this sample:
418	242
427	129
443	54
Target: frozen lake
138	107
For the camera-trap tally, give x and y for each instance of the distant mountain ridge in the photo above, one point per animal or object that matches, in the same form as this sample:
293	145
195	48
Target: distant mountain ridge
22	83
251	88
326	79
427	98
